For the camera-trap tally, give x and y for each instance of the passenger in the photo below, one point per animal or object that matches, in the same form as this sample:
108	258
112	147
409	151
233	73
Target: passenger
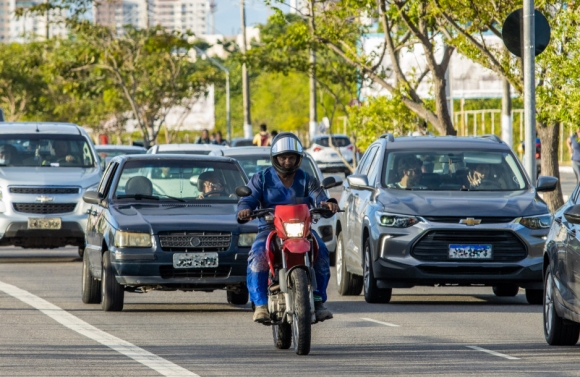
6	155
283	183
410	172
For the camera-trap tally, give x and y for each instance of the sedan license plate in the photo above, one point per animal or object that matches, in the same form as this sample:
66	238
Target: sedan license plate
195	260
44	223
470	251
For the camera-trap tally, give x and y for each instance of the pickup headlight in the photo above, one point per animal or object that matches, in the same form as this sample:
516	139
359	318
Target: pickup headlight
246	239
130	239
535	222
294	230
393	220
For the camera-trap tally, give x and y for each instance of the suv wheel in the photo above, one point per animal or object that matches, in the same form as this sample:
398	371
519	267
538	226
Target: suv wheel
506	290
348	284
556	331
373	294
112	293
534	296
91	287
240	298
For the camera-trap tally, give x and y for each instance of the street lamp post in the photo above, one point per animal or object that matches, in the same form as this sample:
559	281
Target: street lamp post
227	72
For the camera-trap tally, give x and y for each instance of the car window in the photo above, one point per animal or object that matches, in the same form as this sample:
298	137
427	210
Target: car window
252	164
47	150
367	160
167	179
337	141
106	179
374	168
443	170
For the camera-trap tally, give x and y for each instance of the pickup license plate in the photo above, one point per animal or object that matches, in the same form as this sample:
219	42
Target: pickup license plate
195	260
470	252
44	223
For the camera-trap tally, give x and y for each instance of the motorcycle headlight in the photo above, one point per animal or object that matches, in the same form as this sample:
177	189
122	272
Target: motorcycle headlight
535	222
294	229
393	220
131	239
246	239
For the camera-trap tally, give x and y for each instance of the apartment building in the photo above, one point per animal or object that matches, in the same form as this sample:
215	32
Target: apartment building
14	29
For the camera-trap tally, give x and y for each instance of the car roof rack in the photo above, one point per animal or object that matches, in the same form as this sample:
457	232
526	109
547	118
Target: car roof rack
389	136
492	137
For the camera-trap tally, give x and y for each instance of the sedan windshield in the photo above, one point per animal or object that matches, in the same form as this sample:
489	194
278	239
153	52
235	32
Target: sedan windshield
45	150
253	164
453	170
179	180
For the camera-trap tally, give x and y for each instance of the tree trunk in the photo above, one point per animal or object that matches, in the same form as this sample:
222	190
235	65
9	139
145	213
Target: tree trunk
442	109
550	138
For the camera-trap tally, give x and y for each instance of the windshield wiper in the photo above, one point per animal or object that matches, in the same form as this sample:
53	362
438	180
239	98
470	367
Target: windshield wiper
153	197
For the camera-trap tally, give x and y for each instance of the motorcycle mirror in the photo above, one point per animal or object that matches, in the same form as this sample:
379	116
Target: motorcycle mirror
331	181
243	191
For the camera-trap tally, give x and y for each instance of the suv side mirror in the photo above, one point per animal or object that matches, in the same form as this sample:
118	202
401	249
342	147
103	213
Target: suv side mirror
359	181
92	197
330	182
546	183
572	214
243	191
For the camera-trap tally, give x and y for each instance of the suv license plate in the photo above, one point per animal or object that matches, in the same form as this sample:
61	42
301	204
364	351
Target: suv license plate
195	260
44	223
470	252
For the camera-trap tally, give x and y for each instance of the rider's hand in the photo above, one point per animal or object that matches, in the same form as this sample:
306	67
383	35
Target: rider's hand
244	214
331	206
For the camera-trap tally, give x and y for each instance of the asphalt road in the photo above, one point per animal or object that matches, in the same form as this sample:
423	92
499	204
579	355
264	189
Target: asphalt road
46	330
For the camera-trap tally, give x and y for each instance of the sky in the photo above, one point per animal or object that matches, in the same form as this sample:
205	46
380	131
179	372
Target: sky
228	18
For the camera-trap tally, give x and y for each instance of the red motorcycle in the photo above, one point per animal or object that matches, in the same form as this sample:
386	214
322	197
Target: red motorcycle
291	251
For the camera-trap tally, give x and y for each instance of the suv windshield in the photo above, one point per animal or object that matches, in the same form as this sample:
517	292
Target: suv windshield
453	170
45	150
179	179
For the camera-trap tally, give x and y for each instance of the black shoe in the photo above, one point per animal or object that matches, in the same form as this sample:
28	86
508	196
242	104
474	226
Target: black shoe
321	312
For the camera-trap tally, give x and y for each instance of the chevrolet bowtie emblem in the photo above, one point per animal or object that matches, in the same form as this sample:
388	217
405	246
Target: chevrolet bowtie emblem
44	199
470	221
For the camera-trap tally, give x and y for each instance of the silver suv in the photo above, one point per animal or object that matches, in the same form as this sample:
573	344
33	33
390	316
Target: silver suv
45	168
441	210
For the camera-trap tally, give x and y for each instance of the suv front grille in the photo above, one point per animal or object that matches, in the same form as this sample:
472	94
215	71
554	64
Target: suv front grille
44	190
456	219
44	208
168	272
434	245
195	241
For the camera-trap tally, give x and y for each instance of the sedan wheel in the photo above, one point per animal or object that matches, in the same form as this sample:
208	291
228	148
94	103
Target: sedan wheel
556	331
112	293
373	294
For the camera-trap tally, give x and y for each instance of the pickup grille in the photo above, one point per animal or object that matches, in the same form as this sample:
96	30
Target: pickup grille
44	190
168	272
43	208
195	241
434	245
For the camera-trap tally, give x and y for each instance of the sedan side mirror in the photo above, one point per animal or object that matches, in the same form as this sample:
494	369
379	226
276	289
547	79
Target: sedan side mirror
546	183
330	182
243	191
92	197
572	214
359	181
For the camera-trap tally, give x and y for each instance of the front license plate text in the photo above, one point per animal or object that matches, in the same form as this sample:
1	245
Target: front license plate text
195	260
470	251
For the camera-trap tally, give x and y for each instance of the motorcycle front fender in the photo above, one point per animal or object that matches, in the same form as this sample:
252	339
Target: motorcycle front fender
297	245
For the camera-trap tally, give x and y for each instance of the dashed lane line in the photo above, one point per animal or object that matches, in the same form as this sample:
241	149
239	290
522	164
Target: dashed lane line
380	322
159	364
493	353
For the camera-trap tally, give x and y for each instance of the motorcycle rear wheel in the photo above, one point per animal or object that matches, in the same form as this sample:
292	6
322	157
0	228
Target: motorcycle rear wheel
301	321
282	336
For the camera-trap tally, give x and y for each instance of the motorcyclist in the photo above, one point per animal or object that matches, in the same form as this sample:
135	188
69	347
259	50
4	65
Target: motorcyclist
281	184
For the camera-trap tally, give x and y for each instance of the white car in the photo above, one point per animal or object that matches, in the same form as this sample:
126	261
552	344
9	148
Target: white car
255	159
328	158
185	148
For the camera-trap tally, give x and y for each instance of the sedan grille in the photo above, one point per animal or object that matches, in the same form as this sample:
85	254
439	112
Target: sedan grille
168	272
44	208
195	241
434	245
44	190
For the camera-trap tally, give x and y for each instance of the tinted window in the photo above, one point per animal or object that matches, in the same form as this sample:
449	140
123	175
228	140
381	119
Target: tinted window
374	168
106	180
368	159
336	141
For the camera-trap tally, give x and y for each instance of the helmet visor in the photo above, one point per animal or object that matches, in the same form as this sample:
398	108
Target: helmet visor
286	145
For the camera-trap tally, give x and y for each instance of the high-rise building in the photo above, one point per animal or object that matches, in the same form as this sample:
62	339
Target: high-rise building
27	27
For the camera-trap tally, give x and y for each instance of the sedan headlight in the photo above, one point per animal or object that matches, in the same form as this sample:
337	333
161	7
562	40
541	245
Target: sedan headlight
131	239
535	222
294	230
246	239
393	220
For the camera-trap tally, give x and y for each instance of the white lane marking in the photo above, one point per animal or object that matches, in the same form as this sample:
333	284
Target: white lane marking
493	353
380	322
159	364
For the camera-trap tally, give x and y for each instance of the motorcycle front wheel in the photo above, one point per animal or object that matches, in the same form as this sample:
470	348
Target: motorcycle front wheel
282	336
301	321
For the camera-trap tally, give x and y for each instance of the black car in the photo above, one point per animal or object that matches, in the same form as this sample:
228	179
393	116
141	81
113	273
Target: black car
166	222
441	210
561	275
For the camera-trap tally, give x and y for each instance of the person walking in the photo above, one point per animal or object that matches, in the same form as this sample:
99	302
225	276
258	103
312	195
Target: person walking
574	148
262	138
204	138
219	140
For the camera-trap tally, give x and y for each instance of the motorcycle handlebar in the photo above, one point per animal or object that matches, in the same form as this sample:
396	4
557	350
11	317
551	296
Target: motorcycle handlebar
264	211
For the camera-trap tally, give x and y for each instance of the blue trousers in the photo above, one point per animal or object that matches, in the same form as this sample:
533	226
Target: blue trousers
258	268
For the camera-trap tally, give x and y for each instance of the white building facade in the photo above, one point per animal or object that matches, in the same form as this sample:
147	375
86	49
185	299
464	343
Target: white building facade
25	28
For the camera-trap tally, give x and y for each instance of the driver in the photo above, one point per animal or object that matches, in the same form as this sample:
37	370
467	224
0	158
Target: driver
210	185
282	184
410	171
61	154
478	174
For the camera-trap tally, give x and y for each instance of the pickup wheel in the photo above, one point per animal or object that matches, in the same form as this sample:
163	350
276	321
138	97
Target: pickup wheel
91	287
240	298
373	294
112	293
348	284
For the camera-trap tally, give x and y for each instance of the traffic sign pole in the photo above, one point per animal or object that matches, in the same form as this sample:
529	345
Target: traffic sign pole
529	89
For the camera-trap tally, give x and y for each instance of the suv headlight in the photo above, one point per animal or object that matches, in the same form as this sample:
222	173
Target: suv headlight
294	230
246	239
535	222
131	239
394	220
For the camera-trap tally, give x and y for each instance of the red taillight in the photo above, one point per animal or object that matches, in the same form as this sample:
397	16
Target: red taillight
317	149
349	147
